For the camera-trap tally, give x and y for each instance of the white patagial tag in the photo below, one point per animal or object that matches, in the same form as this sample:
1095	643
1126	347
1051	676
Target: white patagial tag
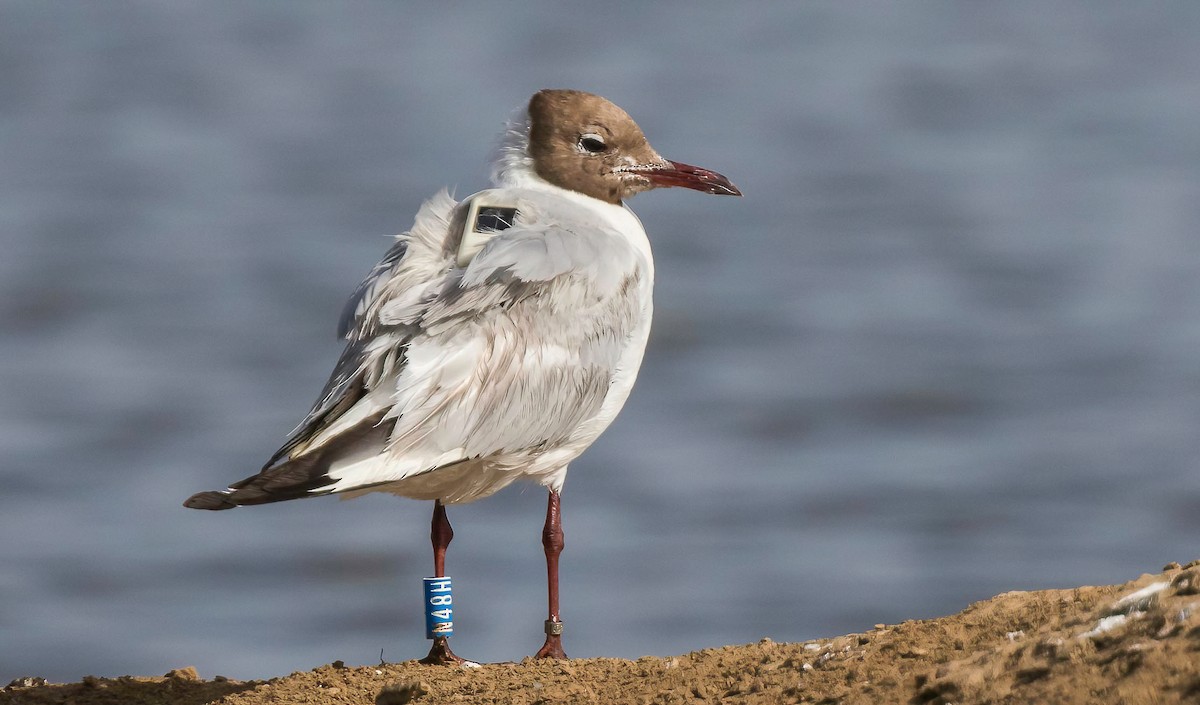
485	217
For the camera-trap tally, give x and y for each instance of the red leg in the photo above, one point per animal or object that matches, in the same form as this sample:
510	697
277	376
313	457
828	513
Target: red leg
552	541
441	534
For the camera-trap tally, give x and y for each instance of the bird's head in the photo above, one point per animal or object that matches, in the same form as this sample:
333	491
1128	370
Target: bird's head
585	143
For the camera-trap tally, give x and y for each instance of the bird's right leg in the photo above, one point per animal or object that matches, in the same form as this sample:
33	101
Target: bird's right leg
441	534
552	541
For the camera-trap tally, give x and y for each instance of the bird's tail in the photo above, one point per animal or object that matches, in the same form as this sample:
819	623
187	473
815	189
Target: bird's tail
211	500
305	475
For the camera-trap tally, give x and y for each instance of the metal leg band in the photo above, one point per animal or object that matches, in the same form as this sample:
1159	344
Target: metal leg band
553	628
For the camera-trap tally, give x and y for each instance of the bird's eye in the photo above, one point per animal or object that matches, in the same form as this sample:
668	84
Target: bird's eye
592	143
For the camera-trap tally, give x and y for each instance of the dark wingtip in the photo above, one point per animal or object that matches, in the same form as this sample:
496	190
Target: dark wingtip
210	500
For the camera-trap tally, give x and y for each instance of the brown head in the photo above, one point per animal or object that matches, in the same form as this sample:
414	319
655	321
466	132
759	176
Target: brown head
582	142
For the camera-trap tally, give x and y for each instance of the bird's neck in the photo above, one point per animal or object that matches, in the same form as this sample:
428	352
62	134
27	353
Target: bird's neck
512	167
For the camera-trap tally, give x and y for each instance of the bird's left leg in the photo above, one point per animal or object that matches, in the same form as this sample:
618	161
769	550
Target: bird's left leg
441	534
552	542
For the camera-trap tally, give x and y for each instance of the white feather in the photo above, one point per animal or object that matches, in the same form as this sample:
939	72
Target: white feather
505	369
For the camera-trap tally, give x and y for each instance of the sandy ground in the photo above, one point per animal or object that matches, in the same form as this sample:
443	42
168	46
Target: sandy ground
1132	643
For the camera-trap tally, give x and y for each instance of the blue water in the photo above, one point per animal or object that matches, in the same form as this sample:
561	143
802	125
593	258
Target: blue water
948	344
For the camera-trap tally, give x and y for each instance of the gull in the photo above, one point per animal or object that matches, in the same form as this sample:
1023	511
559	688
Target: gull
497	339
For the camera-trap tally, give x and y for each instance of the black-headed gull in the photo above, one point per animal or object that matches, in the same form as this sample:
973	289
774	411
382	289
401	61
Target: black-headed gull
497	338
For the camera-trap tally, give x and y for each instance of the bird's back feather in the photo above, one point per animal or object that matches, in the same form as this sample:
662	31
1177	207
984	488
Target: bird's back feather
494	364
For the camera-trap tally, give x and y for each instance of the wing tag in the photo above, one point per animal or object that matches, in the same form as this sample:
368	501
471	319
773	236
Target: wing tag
484	220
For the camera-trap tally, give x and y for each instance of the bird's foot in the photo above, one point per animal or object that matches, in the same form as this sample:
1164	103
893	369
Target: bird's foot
553	646
441	655
551	649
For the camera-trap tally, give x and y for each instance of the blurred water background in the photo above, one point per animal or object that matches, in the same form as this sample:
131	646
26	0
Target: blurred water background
948	344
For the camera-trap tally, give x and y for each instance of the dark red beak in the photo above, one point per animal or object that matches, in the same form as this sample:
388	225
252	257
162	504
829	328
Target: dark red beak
687	176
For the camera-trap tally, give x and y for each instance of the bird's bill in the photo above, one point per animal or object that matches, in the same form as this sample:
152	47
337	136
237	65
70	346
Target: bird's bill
687	176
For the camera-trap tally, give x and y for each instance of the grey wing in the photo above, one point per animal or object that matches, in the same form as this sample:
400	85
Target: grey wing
297	469
515	352
509	354
345	386
343	389
369	289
